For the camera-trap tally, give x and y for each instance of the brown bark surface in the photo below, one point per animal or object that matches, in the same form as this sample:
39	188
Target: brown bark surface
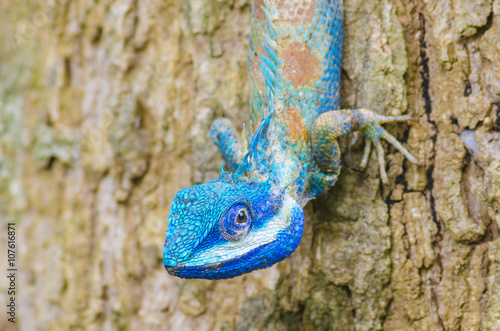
105	108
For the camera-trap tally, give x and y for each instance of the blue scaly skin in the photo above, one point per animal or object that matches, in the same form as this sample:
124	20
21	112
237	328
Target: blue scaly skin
252	217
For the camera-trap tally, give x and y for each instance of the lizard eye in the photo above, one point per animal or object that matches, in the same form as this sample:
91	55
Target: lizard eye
235	223
242	216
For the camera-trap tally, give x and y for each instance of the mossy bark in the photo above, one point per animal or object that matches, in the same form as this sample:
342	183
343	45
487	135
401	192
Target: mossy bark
105	108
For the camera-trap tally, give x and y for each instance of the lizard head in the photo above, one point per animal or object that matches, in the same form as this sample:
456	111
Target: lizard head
225	228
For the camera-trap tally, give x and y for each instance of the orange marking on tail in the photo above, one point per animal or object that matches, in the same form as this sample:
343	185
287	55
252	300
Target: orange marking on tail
294	122
301	66
258	12
296	11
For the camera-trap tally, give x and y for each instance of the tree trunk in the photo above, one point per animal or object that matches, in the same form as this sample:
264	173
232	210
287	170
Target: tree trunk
105	108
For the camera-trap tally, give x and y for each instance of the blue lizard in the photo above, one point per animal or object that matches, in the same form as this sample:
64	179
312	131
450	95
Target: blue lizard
252	217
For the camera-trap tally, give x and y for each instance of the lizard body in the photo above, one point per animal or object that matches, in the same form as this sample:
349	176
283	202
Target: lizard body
251	217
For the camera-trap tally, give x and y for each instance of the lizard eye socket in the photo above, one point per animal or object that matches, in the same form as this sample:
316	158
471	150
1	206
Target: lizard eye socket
235	223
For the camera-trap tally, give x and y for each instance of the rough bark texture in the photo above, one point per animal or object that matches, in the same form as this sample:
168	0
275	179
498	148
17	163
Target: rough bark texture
105	108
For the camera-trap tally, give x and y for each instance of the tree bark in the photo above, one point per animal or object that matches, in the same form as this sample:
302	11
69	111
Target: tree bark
105	108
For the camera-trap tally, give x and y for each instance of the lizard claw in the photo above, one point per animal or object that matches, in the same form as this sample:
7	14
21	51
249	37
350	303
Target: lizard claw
355	138
366	153
374	132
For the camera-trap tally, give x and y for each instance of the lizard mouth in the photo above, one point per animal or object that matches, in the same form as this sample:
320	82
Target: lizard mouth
181	269
228	268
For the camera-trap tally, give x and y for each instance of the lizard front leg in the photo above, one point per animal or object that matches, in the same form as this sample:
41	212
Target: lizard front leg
231	145
330	126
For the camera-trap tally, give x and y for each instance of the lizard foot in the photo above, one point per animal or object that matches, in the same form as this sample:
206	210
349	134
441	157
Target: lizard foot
370	126
231	145
330	126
